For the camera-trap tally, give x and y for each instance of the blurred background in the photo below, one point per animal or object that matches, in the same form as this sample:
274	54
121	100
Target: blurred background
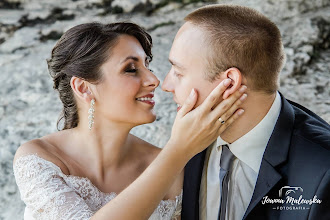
29	107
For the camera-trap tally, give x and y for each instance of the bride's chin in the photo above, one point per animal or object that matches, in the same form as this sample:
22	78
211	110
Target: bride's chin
148	120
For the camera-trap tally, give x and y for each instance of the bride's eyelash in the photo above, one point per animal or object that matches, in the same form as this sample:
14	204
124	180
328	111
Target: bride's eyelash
131	70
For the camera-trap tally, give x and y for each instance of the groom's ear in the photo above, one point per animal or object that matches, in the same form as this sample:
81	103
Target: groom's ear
236	81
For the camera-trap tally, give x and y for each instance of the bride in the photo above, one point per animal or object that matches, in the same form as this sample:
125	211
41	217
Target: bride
94	168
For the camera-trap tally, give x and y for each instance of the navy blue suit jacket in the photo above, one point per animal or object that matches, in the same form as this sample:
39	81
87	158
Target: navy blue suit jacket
297	155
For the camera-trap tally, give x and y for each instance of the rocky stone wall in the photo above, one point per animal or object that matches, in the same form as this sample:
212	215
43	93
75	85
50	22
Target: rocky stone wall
29	107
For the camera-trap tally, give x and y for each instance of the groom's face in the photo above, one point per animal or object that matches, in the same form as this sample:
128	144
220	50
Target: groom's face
189	59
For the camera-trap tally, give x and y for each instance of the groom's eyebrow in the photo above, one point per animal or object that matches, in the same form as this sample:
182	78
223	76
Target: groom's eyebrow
176	64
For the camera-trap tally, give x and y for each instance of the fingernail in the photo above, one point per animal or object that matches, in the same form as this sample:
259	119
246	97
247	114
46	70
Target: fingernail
226	82
242	89
192	93
243	97
240	112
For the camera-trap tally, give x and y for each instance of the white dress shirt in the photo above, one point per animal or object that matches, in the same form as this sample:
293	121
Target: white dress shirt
248	150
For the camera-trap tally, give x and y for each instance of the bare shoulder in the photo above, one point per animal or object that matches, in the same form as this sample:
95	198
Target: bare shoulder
43	149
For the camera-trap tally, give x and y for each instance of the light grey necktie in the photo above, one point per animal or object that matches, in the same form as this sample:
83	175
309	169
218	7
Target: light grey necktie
226	160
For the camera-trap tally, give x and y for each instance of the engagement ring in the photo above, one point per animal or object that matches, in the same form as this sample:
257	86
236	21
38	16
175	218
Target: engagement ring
222	121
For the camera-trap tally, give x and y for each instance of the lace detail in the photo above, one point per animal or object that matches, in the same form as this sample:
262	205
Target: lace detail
168	209
50	194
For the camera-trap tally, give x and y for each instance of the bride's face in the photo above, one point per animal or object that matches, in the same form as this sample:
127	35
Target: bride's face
125	95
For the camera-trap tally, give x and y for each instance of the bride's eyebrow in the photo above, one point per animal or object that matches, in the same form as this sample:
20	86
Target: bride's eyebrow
130	58
133	58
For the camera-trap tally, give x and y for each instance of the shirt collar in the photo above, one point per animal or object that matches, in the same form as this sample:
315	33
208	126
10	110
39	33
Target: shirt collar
250	147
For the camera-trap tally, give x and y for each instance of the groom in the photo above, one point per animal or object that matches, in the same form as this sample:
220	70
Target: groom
274	161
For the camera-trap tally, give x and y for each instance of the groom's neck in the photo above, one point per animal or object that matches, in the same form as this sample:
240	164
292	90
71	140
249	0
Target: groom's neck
255	108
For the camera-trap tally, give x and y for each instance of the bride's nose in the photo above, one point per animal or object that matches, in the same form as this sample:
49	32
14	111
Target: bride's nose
150	80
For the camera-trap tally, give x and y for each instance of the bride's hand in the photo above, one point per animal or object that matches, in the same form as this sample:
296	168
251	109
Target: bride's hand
194	130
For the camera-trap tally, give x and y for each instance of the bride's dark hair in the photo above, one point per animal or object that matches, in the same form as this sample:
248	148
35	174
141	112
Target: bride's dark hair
80	52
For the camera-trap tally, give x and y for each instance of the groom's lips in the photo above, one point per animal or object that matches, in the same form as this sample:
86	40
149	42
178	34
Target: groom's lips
179	106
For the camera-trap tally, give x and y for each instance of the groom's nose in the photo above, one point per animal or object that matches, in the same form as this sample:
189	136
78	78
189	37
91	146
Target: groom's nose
167	85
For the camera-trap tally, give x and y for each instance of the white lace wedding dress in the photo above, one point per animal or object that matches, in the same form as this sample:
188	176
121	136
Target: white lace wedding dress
50	194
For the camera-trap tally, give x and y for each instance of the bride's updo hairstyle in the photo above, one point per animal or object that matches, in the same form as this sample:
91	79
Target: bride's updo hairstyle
80	52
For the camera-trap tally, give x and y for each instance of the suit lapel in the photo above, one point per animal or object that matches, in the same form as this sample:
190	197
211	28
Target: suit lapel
276	153
267	179
191	185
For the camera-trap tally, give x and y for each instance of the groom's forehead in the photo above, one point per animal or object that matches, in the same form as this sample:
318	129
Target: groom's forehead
189	31
189	41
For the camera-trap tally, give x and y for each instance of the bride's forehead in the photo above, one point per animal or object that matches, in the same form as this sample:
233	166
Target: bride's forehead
128	46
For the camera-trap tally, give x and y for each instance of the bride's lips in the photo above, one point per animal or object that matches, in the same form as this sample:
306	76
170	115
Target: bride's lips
147	99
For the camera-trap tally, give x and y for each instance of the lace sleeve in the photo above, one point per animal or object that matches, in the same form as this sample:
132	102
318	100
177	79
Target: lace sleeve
178	207
45	192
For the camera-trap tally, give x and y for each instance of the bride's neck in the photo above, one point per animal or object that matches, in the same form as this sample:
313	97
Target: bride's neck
104	146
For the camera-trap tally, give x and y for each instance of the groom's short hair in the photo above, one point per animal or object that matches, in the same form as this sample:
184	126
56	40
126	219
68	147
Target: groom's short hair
241	37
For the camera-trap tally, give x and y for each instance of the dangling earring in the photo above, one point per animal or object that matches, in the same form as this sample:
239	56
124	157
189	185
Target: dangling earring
91	111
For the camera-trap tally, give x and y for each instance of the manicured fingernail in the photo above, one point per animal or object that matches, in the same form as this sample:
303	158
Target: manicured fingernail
192	93
242	89
243	97
240	112
226	82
